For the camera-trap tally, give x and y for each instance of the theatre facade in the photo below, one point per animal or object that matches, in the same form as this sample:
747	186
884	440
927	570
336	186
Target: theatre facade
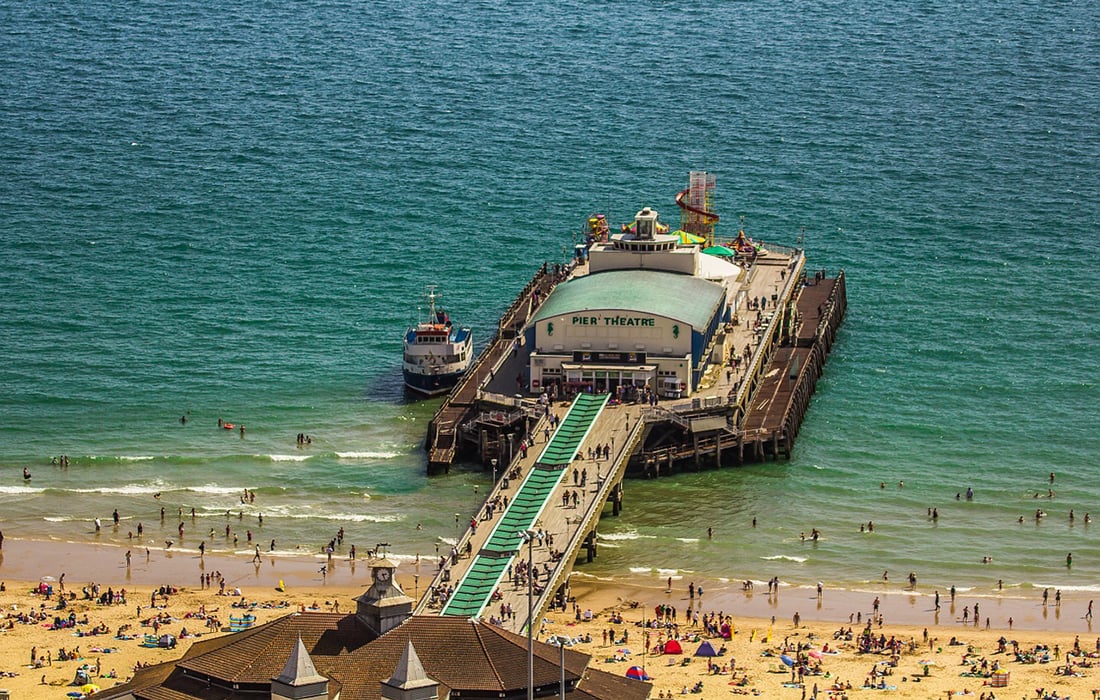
644	316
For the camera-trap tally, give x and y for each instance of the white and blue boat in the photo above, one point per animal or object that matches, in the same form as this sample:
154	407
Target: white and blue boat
437	353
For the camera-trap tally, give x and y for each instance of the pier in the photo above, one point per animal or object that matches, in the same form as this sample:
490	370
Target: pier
651	353
745	411
749	407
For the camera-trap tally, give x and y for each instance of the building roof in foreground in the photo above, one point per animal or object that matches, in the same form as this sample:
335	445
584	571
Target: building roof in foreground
459	653
681	297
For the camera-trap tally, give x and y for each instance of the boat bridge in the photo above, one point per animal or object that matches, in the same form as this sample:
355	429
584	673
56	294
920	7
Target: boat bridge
557	491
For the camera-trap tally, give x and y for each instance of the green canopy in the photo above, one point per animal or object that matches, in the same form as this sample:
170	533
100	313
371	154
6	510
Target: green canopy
719	250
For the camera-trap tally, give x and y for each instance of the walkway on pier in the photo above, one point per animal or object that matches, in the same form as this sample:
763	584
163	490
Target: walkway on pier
771	408
541	485
495	555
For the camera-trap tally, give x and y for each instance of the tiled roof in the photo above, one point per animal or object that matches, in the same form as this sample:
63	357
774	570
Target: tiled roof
258	654
458	653
472	656
251	657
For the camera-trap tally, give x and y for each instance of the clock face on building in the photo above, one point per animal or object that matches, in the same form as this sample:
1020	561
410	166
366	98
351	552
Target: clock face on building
382	575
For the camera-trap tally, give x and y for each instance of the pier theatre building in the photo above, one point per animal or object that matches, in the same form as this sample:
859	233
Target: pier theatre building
646	314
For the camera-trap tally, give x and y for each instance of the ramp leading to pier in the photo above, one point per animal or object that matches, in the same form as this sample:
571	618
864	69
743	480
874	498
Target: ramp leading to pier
522	512
561	491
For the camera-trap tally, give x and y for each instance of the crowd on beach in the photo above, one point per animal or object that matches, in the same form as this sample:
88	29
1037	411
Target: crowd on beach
752	660
113	637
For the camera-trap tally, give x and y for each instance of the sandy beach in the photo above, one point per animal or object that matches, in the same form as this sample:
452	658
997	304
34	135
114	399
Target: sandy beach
922	662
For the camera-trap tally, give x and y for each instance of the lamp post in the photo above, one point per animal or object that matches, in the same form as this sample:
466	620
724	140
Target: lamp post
494	461
561	640
528	536
456	531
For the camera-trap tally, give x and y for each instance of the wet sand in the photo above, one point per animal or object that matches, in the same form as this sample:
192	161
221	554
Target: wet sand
906	615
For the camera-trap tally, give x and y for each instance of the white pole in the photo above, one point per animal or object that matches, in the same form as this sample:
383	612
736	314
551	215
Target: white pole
561	646
530	617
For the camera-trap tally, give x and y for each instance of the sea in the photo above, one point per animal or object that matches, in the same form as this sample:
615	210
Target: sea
230	211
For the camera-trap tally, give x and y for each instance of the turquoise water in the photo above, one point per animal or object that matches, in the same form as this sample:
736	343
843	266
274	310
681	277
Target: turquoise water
230	211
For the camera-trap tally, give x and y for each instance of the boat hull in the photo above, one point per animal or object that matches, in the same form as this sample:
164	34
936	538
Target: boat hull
431	384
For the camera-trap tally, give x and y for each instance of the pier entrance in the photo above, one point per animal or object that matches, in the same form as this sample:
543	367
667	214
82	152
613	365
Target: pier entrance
540	517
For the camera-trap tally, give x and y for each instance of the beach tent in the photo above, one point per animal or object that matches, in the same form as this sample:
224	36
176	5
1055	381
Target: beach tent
706	649
786	659
637	673
673	647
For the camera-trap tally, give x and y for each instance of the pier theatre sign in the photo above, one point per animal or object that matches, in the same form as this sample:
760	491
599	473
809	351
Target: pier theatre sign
614	321
609	358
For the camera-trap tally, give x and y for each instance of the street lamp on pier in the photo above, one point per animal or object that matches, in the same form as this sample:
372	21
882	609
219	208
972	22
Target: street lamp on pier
494	461
562	640
528	536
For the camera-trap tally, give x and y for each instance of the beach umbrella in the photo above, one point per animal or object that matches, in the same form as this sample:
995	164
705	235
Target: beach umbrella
719	250
787	660
688	238
637	673
706	649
